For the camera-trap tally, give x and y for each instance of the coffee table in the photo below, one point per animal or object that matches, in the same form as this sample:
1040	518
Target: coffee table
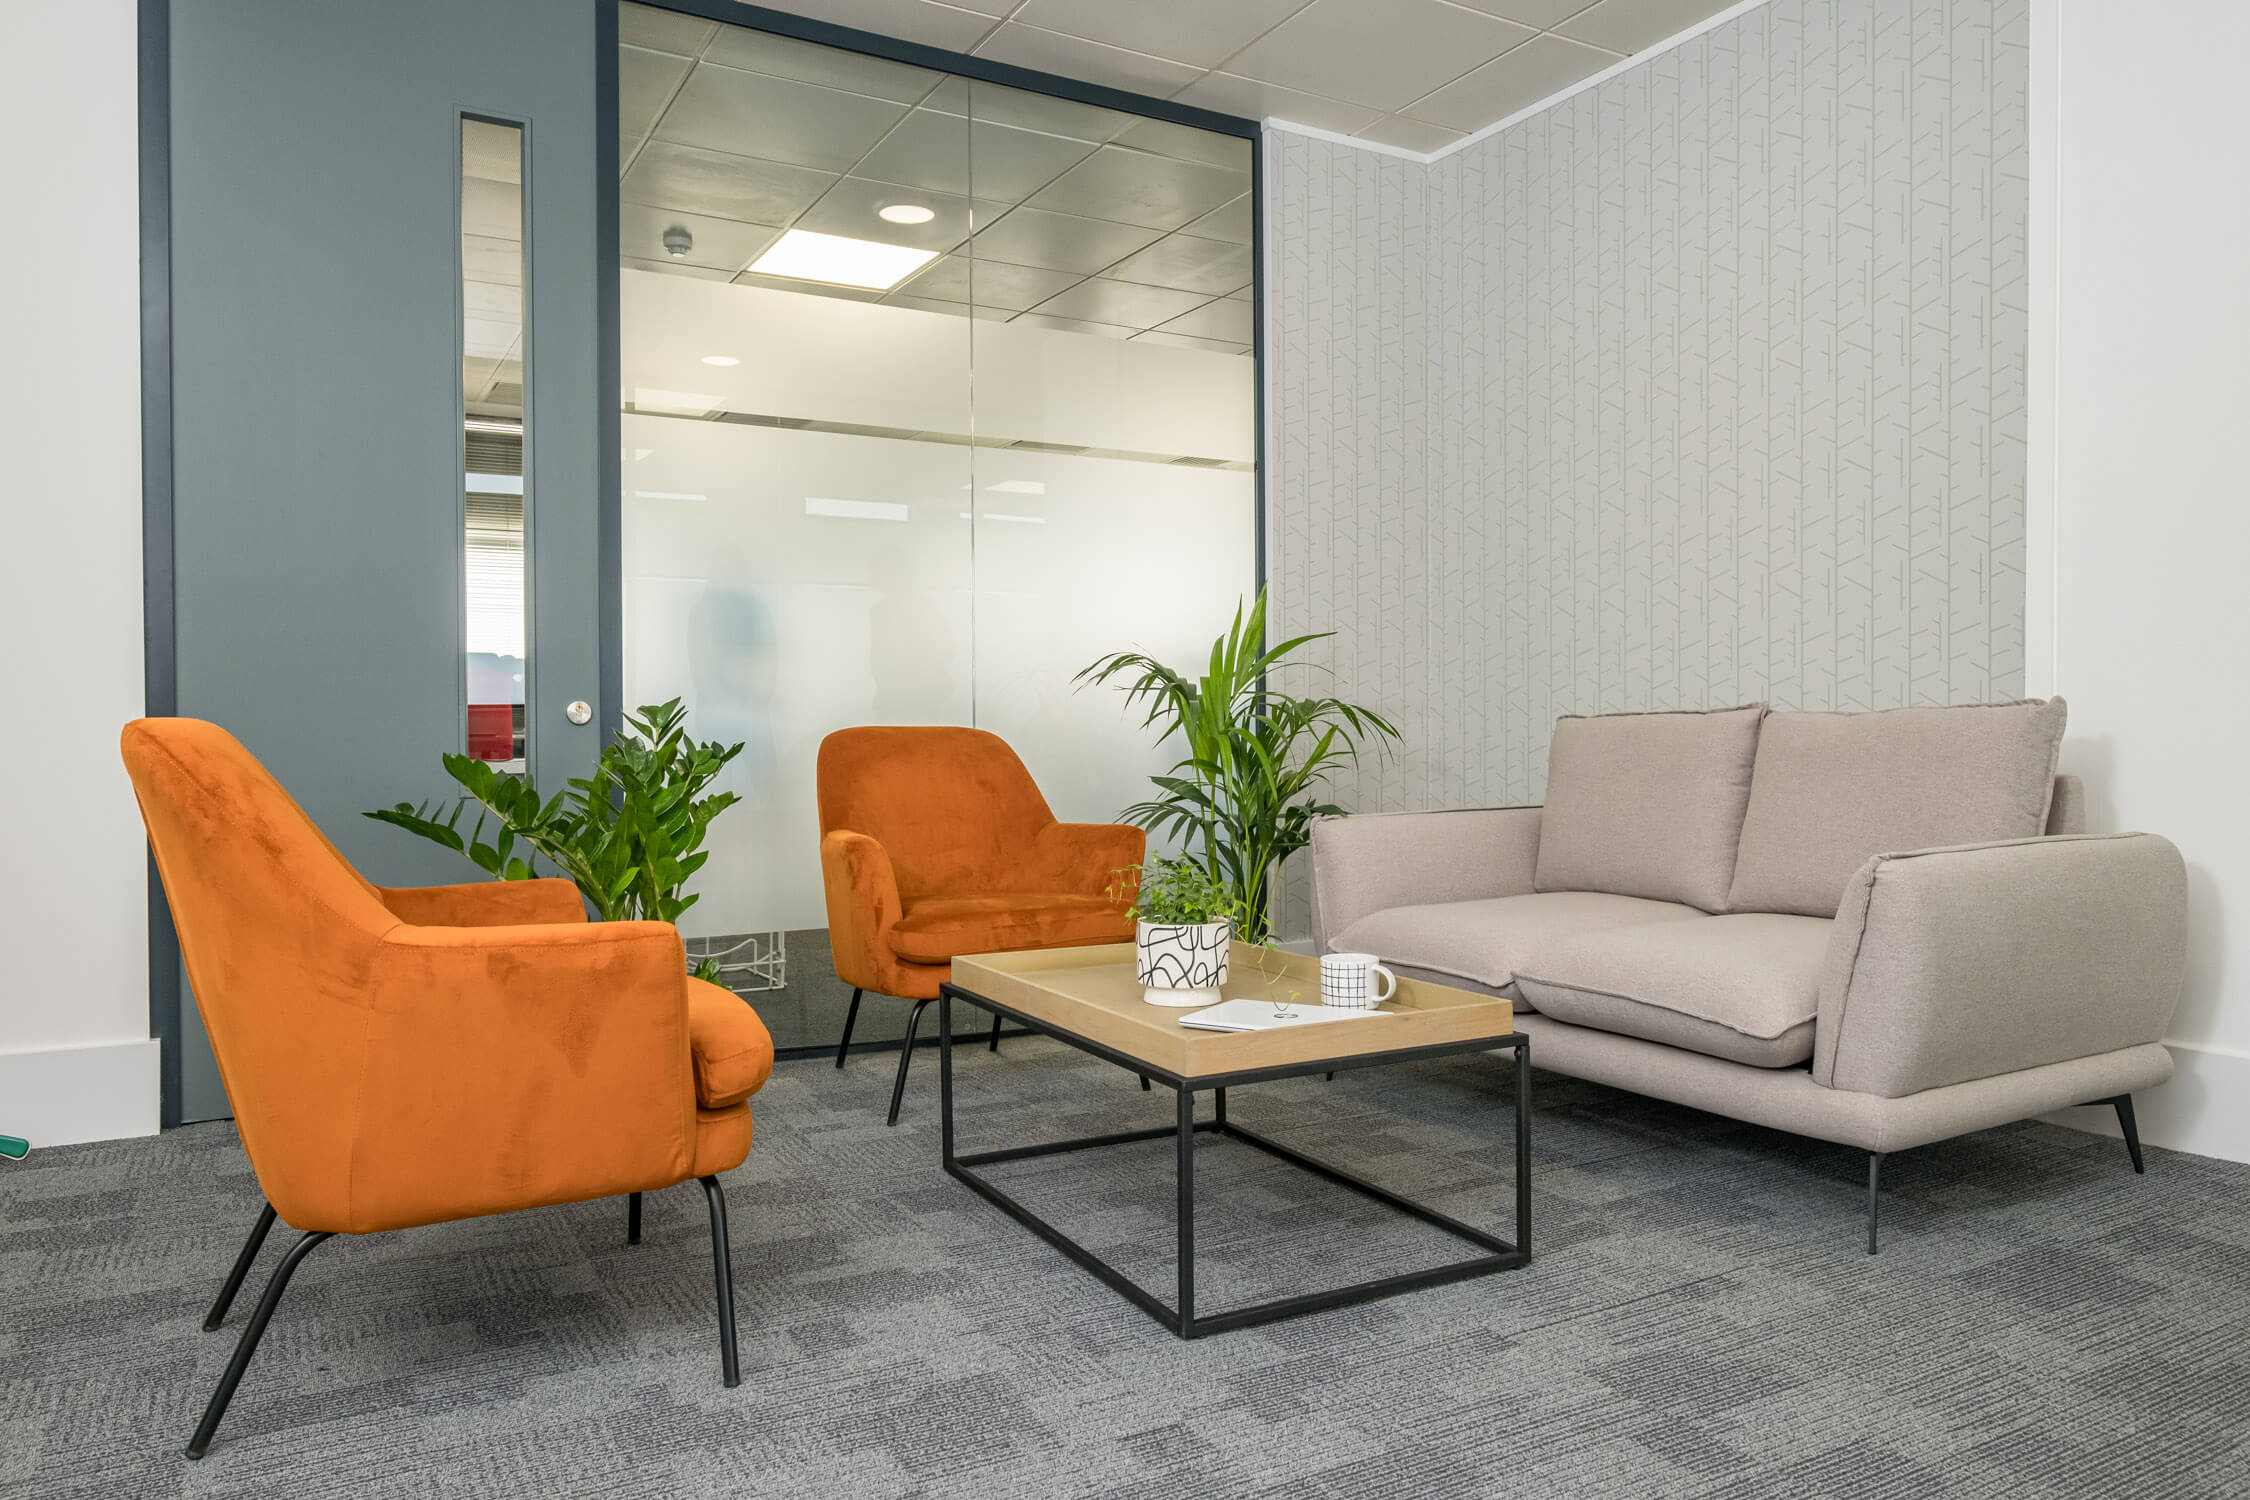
1090	998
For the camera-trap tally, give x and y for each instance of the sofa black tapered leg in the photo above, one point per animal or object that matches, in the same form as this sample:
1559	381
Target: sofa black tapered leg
633	1219
722	1277
1874	1190
851	1018
257	1242
247	1345
906	1056
2132	1129
995	1031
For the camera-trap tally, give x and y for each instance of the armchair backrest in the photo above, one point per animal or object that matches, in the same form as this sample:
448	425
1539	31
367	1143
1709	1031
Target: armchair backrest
277	930
954	808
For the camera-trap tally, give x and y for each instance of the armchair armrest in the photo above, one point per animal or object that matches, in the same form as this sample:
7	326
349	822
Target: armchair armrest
863	903
1082	859
1373	861
1959	963
485	903
509	1067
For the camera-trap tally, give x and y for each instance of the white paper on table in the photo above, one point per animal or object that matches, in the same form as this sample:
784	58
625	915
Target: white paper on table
1258	1015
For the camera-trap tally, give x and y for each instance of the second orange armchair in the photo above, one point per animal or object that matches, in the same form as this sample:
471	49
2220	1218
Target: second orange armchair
935	842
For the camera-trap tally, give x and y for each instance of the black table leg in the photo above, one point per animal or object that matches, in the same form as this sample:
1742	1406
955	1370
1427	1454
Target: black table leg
1184	1128
1523	1146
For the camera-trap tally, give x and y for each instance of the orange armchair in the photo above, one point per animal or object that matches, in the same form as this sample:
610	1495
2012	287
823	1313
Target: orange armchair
935	842
406	1057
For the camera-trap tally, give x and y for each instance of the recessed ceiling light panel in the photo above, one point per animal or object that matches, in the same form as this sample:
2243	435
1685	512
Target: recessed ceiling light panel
721	360
905	213
839	260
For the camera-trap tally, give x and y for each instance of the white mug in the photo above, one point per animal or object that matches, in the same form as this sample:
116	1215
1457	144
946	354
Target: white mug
1347	981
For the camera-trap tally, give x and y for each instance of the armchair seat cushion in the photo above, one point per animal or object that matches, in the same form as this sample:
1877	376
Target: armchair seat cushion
1744	988
733	1052
938	929
1483	941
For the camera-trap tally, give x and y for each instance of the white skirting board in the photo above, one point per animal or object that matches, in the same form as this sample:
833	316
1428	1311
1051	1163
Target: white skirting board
2204	1109
60	1096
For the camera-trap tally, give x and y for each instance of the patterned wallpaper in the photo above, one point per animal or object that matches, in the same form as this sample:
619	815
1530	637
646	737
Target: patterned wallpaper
1703	386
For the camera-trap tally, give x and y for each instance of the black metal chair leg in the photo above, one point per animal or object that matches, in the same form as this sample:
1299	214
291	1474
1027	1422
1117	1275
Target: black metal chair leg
252	1331
905	1056
2132	1129
995	1031
242	1263
722	1275
1144	1083
851	1018
633	1219
1874	1183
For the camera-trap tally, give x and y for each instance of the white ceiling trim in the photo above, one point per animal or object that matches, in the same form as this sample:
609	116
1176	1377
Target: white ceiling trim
1654	49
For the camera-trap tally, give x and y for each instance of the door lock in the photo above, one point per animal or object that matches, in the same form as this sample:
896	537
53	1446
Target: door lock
578	711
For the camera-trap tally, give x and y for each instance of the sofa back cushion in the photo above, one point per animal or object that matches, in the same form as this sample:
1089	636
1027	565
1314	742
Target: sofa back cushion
1832	790
1647	804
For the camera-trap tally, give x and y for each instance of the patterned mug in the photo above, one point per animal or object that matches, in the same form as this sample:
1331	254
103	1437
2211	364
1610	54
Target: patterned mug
1347	981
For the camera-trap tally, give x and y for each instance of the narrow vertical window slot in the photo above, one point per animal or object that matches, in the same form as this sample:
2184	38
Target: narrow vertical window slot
496	491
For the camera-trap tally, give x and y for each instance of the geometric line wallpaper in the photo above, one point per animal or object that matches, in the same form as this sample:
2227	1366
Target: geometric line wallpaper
1703	386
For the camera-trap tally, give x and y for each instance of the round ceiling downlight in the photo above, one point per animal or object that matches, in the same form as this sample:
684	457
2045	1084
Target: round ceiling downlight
905	213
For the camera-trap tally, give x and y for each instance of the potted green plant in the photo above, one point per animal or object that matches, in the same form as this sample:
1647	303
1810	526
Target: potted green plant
1254	762
1184	919
629	836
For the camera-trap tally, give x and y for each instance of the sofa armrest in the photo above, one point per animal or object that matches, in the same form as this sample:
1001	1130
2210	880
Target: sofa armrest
1371	862
1980	959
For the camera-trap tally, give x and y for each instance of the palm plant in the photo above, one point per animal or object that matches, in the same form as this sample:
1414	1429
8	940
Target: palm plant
1242	796
629	836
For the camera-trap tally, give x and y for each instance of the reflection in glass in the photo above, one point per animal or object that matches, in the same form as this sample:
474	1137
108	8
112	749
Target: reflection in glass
494	492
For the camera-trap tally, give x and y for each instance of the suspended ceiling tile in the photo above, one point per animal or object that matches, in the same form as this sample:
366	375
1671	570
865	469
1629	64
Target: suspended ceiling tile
1189	263
1071	325
1540	13
1097	300
777	119
499	261
492	152
830	67
662	30
1539	69
1028	111
1628	26
1413	135
940	305
722	185
1094	62
808	288
1381	53
645	81
988	283
1059	242
955	26
854	207
1188	341
1242	294
1187	31
934	149
1223	319
1135	187
491	209
1189	144
1229	221
674	268
493	301
485	338
721	244
1252	99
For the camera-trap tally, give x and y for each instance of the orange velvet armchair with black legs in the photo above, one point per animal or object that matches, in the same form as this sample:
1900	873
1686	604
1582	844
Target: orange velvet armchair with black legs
935	842
405	1057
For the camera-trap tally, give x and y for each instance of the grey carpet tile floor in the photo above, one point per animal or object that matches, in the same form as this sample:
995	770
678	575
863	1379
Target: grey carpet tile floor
1699	1319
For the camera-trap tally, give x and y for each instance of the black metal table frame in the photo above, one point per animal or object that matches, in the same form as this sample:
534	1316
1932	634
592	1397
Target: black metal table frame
1182	1319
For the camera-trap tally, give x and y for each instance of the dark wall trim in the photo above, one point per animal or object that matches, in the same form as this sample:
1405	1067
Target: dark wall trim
981	68
1258	348
609	523
159	646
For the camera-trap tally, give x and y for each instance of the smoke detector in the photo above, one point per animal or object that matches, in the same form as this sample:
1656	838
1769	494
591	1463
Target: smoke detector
678	242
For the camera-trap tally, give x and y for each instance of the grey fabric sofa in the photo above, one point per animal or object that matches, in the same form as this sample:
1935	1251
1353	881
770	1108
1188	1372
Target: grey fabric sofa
1675	921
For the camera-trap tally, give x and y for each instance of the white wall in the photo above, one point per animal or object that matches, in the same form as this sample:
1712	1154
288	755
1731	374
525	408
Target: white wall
2139	528
75	1059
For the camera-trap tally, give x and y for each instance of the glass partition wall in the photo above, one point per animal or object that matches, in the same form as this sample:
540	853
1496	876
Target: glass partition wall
934	391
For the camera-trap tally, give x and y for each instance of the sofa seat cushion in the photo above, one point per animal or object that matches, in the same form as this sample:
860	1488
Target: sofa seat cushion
1483	941
1744	988
1832	790
1647	804
942	928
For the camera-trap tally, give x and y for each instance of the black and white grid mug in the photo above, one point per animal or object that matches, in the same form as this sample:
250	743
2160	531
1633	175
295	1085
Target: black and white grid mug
1347	981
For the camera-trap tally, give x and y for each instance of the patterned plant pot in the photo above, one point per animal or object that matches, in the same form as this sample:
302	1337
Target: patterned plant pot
1182	965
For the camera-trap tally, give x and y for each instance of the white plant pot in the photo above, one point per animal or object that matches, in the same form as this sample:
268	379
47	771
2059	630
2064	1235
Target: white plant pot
1182	965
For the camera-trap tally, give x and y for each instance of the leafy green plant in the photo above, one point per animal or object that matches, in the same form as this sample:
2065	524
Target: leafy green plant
1242	796
629	836
1178	893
